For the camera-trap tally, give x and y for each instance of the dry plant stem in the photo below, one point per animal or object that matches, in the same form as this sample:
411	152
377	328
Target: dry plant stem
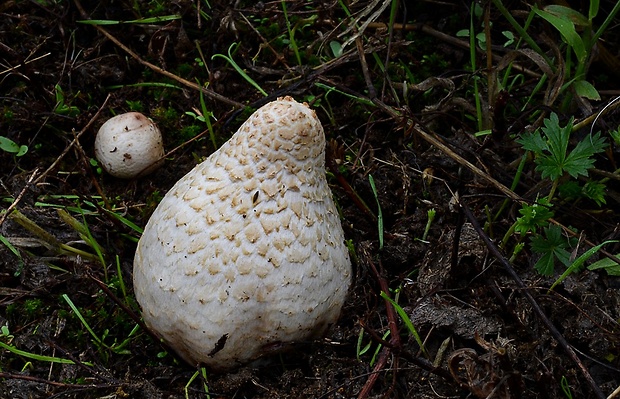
79	363
19	197
75	139
477	171
394	343
614	394
592	118
374	374
528	296
81	387
157	69
360	51
452	41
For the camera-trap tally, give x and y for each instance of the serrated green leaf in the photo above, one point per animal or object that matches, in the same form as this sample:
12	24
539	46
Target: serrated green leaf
595	191
533	142
570	190
545	265
580	158
557	138
533	216
552	245
550	144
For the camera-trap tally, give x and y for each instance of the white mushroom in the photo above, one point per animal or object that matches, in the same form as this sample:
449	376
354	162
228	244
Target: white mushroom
129	145
246	253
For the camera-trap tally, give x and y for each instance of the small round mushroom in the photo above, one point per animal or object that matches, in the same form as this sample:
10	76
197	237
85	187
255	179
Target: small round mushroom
129	145
246	253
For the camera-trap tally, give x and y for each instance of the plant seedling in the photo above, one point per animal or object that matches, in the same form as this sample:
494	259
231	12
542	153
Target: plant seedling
8	145
552	245
550	146
241	72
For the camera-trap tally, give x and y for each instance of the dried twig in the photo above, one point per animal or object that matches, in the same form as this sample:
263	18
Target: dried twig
394	343
185	82
19	197
75	139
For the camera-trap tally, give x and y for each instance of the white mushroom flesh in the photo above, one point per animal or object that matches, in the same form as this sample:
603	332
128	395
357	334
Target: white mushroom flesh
129	145
246	252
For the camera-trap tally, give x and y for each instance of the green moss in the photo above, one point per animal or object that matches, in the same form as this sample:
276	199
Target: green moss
32	307
166	117
189	132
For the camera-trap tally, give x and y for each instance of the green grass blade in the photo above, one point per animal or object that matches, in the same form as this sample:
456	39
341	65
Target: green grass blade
237	68
405	318
578	262
41	358
379	213
84	322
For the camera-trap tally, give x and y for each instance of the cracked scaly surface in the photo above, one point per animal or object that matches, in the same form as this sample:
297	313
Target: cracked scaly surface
246	252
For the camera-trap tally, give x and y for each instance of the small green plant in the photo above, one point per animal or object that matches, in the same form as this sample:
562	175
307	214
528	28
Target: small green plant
15	251
62	107
201	372
117	347
291	34
566	387
552	245
6	342
579	35
533	217
95	164
430	217
568	23
135	105
405	318
481	37
237	68
8	145
562	166
205	116
609	265
577	264
550	147
362	350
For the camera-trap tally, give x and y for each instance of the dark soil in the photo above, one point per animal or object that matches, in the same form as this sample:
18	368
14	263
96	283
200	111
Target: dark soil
476	313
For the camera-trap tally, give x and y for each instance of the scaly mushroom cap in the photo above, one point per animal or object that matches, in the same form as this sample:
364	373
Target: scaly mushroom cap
246	252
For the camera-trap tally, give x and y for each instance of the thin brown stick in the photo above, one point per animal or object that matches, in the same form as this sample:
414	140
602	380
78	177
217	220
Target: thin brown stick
372	93
55	383
192	85
19	197
75	139
395	343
